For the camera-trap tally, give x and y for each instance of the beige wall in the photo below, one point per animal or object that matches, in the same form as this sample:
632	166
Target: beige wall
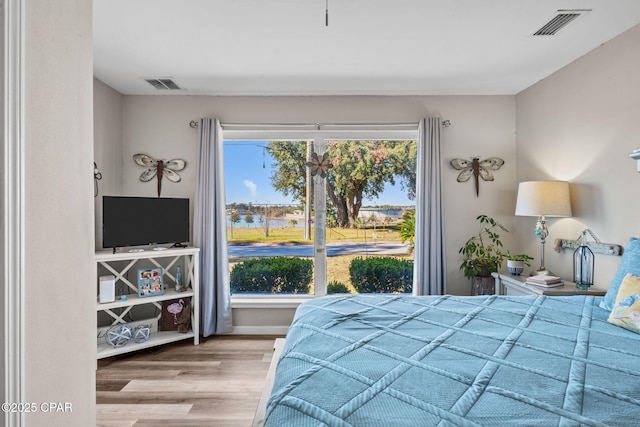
579	125
59	296
482	126
107	145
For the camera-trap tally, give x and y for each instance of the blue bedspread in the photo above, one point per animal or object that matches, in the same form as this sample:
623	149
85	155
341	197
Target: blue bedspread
456	361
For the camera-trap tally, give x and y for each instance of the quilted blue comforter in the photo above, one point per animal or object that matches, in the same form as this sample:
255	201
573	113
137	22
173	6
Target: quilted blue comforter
456	361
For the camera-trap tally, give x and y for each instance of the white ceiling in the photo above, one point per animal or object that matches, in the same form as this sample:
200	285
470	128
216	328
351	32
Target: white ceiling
370	47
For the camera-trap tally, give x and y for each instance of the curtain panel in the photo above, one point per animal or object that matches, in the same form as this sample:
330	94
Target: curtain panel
209	231
429	270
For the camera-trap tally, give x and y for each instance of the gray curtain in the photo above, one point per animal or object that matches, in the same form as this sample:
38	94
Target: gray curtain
429	271
209	231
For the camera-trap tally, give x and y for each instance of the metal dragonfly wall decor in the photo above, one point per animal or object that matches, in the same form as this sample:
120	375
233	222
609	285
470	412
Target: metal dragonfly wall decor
159	168
477	168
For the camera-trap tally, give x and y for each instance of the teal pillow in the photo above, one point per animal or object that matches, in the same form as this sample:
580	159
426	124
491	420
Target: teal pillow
629	264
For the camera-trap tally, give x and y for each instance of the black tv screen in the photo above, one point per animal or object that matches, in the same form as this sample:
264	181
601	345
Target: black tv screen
134	221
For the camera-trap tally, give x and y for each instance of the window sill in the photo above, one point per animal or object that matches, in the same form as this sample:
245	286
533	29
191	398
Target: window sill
271	301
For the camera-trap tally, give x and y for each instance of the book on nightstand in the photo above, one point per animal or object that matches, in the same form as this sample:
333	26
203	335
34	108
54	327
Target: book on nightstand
545	281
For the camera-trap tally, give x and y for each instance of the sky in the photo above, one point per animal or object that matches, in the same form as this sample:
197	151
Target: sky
247	170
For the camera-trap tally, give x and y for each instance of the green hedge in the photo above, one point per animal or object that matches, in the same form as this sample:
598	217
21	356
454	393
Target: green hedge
381	274
335	287
272	275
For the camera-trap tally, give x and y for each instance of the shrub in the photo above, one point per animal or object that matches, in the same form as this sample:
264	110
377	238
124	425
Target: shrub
335	287
273	275
408	228
381	274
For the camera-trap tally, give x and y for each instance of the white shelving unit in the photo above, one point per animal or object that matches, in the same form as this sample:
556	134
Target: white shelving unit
120	264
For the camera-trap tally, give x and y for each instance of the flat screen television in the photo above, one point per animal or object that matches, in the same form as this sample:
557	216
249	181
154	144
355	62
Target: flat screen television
135	221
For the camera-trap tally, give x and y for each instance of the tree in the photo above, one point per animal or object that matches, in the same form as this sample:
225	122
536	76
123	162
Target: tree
360	170
408	228
235	218
248	218
289	168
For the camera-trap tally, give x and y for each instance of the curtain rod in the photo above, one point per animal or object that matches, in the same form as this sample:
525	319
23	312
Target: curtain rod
194	124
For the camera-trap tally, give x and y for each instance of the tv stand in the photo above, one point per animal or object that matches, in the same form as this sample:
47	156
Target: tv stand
123	265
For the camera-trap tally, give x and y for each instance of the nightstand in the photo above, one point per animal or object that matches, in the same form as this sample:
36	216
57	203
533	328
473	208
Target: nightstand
508	284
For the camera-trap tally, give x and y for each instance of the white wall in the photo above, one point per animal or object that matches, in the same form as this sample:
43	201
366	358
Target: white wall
107	144
59	296
482	126
579	125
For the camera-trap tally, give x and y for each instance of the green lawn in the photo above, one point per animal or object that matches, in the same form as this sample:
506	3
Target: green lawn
283	235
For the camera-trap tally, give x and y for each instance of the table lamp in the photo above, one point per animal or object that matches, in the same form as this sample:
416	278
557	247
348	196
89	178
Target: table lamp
543	199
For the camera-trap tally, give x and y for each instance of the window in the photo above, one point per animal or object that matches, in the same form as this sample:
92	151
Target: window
291	232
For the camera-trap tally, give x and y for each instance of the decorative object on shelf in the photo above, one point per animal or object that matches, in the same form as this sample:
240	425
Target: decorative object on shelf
596	246
159	168
545	281
97	176
515	267
583	264
477	168
181	315
141	333
150	282
635	154
184	318
179	279
319	165
175	309
516	263
543	199
119	335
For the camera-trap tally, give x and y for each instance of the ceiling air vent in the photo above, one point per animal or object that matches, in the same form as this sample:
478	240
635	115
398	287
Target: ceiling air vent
164	83
558	22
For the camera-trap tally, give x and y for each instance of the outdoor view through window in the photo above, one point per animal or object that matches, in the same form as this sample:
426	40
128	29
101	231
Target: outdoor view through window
292	231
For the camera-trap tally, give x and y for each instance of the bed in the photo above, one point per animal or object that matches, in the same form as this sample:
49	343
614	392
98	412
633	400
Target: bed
395	360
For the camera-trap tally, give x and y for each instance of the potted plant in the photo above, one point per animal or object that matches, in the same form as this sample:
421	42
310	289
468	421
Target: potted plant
483	255
516	263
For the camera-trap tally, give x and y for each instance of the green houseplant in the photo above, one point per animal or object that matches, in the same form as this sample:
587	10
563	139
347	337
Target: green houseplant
483	253
516	263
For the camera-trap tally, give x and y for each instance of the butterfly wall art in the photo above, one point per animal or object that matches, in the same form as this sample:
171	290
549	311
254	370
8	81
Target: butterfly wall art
159	168
477	168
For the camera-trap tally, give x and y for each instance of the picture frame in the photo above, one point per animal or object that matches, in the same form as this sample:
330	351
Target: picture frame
170	317
150	283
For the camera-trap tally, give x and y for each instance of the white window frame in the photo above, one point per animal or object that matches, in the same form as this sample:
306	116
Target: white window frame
319	137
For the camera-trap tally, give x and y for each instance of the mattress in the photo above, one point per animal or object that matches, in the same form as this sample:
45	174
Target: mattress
387	360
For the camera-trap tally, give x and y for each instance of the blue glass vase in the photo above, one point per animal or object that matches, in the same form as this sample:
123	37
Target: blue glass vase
583	265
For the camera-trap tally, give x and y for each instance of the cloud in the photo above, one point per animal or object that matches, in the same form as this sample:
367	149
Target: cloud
251	186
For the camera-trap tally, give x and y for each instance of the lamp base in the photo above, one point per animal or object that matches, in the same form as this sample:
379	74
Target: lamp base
543	272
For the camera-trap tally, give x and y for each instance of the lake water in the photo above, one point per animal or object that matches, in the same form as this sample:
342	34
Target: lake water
394	213
273	223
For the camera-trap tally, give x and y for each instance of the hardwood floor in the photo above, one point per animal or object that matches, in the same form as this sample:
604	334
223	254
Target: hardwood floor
216	383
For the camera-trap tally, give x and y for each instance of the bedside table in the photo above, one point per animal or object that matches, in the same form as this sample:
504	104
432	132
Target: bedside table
508	284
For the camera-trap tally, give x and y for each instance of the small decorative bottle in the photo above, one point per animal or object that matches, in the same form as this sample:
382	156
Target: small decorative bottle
179	280
583	261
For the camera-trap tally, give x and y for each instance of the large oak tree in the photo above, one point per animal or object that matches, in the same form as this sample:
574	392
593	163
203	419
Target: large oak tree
360	170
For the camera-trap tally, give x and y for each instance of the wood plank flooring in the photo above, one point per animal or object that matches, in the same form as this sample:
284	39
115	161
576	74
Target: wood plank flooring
217	383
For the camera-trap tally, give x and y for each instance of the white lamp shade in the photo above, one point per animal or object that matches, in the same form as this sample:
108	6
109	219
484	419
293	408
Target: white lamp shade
543	198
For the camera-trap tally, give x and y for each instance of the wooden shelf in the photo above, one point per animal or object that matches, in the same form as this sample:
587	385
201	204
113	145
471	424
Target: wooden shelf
110	263
134	299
